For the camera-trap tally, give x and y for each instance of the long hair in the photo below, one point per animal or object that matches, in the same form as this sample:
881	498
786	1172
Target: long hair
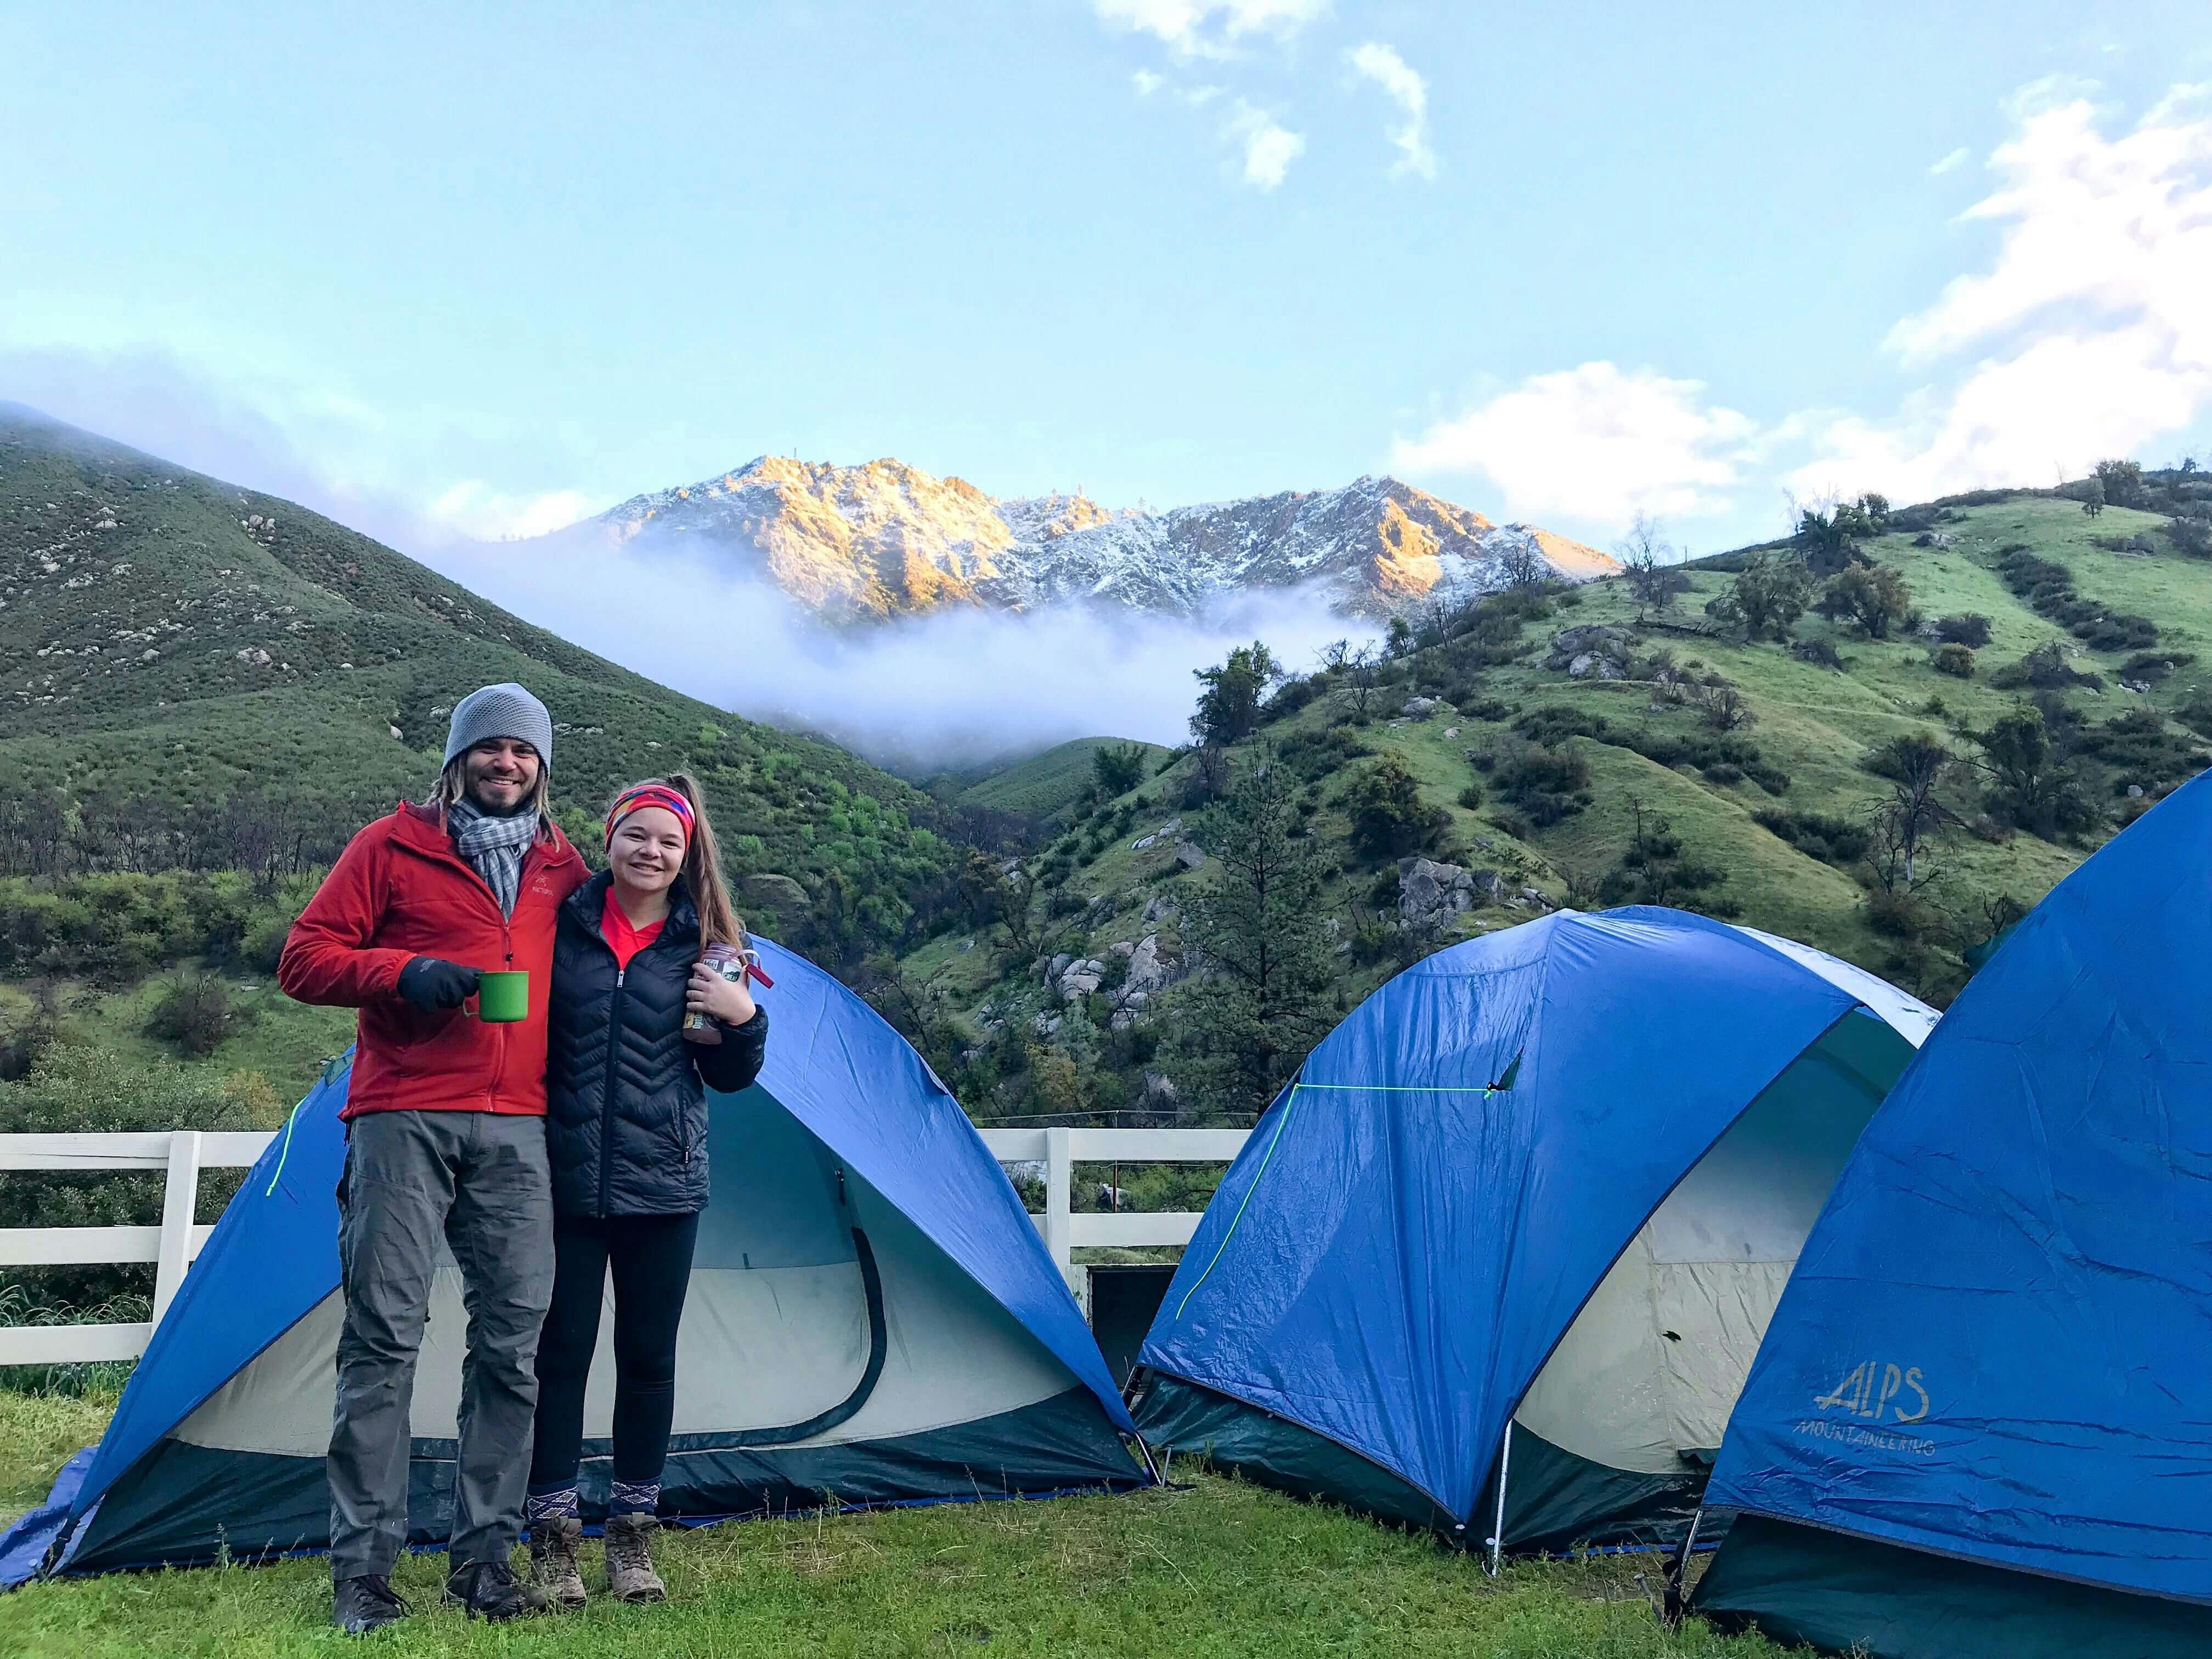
453	784
719	923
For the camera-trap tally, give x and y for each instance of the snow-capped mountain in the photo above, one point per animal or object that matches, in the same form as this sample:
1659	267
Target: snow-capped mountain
887	539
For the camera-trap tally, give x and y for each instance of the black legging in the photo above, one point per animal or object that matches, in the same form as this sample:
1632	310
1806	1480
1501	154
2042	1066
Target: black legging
651	1258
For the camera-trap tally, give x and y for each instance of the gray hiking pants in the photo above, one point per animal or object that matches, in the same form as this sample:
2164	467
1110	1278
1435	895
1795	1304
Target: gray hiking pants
477	1182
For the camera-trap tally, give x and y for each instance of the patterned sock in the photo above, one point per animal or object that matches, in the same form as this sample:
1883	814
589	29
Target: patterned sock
634	1498
555	1503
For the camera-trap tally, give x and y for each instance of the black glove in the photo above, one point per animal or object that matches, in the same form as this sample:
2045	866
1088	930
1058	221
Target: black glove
434	985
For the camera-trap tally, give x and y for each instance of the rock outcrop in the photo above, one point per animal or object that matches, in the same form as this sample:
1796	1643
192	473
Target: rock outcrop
1431	894
857	544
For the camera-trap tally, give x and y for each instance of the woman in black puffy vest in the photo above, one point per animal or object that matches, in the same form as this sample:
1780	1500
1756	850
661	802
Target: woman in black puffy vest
626	1129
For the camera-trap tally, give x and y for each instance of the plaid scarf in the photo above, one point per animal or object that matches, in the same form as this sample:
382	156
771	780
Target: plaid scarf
494	846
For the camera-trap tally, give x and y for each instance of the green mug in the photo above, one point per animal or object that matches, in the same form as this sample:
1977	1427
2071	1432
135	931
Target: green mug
503	999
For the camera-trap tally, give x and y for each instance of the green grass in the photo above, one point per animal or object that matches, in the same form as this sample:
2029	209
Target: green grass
284	1041
1223	1568
39	1432
1045	786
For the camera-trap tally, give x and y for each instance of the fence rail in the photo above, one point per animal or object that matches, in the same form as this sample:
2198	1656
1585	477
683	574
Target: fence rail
183	1153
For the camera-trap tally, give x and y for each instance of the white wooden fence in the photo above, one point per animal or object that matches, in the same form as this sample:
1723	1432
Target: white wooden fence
183	1153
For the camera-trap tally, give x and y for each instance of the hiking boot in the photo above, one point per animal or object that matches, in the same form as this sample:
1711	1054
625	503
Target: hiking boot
491	1590
553	1546
361	1605
630	1577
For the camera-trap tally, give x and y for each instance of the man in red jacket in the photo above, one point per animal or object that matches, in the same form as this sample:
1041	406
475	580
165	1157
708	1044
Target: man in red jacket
446	1143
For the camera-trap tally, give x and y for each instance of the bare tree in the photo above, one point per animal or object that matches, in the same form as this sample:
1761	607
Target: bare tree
1359	677
1911	817
1650	564
1522	564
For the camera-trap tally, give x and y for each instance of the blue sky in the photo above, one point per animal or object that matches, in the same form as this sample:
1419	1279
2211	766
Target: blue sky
474	271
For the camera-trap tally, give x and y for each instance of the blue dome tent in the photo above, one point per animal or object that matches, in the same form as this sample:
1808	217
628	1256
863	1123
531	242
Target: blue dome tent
1528	1206
1978	1426
872	1319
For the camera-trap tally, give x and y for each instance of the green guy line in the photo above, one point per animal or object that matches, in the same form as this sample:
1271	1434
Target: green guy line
1249	1191
1348	1088
277	1174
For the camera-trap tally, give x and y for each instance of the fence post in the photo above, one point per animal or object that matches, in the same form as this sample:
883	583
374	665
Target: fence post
1059	1181
179	1201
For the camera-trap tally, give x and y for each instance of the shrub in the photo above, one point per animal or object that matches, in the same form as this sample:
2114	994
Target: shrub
1389	819
1118	767
1873	598
1767	599
1547	785
1471	797
2044	669
196	1013
2155	665
1956	660
1820	652
1832	840
1972	629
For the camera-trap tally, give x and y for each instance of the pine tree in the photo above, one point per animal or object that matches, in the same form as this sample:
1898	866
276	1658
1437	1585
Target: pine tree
1265	996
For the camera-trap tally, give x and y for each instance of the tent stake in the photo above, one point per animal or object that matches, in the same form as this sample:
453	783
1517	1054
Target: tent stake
1497	1526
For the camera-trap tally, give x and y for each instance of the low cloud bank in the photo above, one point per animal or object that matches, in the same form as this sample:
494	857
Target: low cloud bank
957	688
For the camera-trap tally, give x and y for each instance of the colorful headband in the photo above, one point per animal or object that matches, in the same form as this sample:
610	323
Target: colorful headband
650	794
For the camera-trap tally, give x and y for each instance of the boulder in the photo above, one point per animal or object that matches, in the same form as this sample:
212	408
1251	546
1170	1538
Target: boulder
1430	893
1148	971
1590	639
773	892
1081	978
1122	947
1159	910
1059	965
1190	854
2135	792
1421	708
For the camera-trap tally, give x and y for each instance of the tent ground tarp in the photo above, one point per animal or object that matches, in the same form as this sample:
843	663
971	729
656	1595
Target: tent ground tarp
1803	1585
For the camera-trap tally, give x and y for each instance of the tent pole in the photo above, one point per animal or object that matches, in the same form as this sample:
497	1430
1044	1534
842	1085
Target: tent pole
1498	1525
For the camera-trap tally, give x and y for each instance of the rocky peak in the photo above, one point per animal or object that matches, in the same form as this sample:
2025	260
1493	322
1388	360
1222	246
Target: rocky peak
885	539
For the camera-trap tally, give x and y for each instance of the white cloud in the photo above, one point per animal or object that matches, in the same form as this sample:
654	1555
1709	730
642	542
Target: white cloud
1269	149
2089	329
1957	159
955	687
1146	82
479	512
1406	88
1594	444
1209	28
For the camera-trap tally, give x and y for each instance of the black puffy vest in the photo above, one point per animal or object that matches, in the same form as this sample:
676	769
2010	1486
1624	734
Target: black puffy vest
625	1095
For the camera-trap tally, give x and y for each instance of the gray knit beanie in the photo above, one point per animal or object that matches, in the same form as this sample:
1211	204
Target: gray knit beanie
501	711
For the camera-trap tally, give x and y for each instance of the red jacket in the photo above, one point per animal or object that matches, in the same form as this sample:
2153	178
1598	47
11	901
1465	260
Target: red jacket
399	891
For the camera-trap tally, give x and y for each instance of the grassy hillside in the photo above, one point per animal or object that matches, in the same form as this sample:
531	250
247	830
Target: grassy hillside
1044	786
1771	810
166	637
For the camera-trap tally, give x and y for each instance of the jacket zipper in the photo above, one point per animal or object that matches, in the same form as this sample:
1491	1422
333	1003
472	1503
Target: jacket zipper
607	1091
